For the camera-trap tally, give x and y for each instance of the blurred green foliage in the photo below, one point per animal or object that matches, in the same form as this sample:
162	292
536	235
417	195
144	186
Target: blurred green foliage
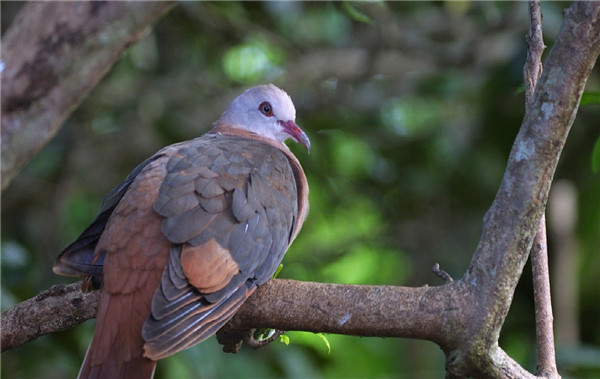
596	157
411	109
251	61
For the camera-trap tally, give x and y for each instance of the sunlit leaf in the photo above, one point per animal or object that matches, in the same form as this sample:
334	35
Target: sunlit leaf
590	97
325	341
284	339
279	268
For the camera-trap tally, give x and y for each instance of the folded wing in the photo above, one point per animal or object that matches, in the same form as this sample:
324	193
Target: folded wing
230	206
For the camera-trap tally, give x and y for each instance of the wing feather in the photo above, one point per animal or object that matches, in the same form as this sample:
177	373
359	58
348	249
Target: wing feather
78	258
225	246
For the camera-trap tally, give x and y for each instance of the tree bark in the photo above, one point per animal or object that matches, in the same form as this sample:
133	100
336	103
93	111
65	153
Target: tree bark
59	308
53	55
546	355
511	222
464	316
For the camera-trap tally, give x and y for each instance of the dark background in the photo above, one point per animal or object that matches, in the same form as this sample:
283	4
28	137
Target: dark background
411	109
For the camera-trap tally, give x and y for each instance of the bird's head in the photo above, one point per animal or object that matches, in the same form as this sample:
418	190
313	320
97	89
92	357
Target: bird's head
268	111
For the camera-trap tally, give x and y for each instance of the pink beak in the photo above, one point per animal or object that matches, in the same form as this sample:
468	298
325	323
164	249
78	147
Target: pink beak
296	133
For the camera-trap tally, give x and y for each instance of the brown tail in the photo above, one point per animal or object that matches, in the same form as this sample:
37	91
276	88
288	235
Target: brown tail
117	346
114	367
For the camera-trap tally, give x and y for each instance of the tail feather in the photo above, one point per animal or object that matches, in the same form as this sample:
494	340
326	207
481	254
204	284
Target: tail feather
116	367
117	346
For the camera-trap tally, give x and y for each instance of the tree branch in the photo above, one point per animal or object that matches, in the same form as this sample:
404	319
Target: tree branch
535	42
54	53
62	307
543	305
539	252
465	316
384	311
511	222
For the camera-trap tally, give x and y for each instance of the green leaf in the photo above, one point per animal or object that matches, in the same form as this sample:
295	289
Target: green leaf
264	334
284	339
590	98
596	157
325	340
279	268
355	14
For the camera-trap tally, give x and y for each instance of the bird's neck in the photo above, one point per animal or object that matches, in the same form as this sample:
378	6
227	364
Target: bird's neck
228	129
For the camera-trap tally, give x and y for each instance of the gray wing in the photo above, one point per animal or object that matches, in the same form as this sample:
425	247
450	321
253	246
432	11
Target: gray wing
230	205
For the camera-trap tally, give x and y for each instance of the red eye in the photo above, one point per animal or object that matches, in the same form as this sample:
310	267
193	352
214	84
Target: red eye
266	109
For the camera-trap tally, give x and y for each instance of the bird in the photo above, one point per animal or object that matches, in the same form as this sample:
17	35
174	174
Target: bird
189	235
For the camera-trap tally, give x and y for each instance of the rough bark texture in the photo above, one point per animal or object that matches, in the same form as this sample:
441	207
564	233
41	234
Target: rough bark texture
54	54
544	330
539	253
511	222
535	42
465	316
59	308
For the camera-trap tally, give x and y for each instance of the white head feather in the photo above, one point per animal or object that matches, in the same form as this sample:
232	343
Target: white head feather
268	111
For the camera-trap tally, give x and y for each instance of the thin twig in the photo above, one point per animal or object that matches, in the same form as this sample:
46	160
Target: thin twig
539	251
441	273
255	343
533	65
543	305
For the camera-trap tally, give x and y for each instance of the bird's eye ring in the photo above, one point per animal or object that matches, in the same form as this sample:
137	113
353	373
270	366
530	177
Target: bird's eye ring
266	108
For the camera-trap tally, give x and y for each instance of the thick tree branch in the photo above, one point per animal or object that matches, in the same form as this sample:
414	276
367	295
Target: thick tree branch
465	316
511	222
53	55
383	311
